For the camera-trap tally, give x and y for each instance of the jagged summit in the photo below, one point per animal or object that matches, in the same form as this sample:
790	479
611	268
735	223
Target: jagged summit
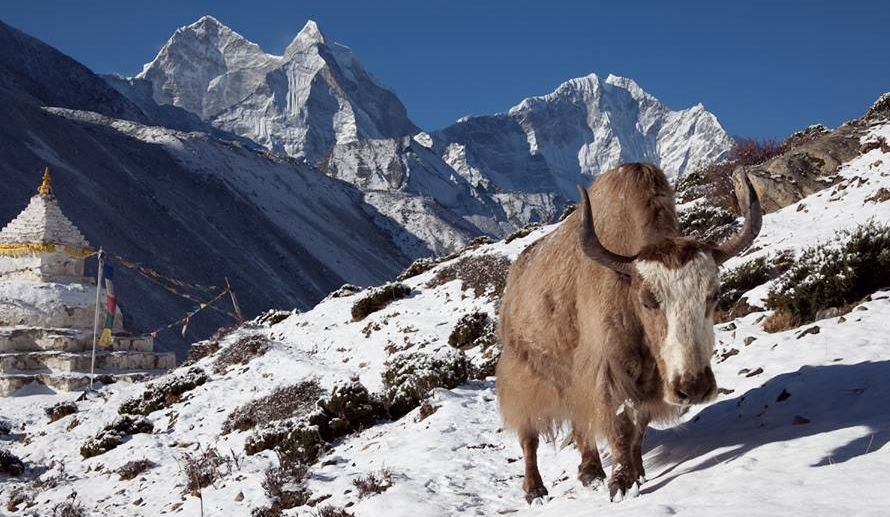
551	142
277	101
310	34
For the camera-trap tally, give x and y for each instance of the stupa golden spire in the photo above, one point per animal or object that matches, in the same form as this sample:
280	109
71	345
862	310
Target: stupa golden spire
46	187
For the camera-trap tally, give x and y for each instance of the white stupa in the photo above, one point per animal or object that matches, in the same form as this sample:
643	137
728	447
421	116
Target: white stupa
47	307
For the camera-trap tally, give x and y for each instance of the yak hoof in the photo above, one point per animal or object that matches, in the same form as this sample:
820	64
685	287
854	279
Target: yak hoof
593	482
536	495
620	489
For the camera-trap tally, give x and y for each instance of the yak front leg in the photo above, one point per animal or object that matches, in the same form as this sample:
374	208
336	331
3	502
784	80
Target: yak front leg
637	450
532	484
590	471
623	482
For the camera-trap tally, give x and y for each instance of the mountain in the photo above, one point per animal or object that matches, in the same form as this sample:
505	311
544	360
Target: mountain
549	144
188	204
301	103
290	173
802	408
483	175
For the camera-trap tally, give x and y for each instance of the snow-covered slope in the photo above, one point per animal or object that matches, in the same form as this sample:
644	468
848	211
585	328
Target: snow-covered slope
551	143
800	426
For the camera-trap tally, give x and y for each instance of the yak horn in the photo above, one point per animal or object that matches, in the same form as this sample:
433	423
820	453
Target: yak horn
590	243
750	205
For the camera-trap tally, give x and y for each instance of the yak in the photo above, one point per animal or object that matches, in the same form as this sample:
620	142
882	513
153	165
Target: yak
607	324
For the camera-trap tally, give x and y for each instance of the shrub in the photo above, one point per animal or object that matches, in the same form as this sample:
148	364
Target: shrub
349	408
283	403
164	393
285	484
60	410
345	290
332	511
468	329
200	350
736	282
296	438
10	464
114	434
408	379
378	298
834	274
567	211
418	267
19	496
5	426
131	469
203	468
706	222
373	483
69	508
240	352
273	317
484	274
522	232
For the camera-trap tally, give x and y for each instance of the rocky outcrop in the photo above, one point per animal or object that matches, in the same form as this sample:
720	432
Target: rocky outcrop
810	164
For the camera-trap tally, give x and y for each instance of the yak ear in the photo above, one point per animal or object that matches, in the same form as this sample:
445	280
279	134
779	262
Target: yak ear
750	205
591	245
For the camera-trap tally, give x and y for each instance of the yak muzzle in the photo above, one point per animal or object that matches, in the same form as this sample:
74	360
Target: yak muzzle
695	388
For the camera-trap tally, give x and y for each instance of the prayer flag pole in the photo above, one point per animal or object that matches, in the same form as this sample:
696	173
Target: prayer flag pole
96	318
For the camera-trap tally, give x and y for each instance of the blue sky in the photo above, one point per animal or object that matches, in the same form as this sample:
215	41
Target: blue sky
765	68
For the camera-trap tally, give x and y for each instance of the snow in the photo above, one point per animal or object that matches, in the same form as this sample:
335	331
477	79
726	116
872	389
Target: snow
800	426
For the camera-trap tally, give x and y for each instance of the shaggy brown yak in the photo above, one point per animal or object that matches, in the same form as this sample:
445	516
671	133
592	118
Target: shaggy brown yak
607	324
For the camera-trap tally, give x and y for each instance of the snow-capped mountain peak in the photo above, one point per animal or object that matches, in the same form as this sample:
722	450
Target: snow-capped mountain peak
310	34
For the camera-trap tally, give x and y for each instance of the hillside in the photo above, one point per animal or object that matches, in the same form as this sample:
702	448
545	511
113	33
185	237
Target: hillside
800	426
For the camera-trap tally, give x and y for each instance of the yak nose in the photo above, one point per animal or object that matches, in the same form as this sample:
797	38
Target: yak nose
695	388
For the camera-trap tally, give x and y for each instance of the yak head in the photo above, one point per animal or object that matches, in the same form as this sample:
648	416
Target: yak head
674	286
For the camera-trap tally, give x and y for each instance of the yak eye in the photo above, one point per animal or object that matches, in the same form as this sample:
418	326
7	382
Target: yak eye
648	299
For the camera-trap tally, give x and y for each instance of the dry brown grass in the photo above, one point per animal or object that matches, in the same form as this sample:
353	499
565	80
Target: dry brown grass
780	320
241	352
134	468
373	484
285	402
483	274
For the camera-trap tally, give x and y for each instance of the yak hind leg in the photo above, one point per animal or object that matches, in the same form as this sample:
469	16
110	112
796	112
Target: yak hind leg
532	484
590	470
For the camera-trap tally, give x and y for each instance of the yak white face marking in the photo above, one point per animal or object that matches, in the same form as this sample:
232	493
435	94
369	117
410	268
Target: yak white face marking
683	294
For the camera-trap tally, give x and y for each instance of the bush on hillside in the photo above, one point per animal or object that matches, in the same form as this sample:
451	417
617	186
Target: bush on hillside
706	223
522	232
240	352
164	393
132	469
291	401
484	274
60	410
10	464
378	298
855	263
408	379
349	408
567	211
418	267
114	434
